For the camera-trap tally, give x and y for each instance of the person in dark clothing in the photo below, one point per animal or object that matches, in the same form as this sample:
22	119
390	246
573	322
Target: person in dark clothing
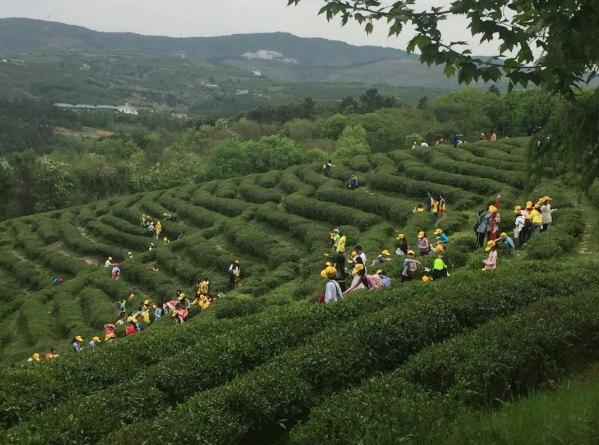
529	131
341	274
234	271
456	140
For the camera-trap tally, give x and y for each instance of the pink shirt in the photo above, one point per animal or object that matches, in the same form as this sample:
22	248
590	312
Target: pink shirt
373	283
491	262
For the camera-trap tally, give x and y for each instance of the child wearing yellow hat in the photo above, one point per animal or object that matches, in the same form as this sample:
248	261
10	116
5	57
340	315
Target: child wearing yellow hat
410	266
382	258
402	244
332	291
441	237
423	244
93	343
76	343
439	266
491	262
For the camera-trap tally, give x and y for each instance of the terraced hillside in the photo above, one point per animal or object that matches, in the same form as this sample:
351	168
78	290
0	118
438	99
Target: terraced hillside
264	364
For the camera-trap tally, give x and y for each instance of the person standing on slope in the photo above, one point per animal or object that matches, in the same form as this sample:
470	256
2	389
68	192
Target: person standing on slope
341	244
158	229
332	290
234	272
402	244
546	211
108	263
435	210
353	181
491	262
327	168
410	265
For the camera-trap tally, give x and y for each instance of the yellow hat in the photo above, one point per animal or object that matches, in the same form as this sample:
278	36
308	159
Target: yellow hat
426	279
78	338
131	296
236	261
503	235
410	252
380	271
490	245
174	313
358	268
109	258
146	301
164	214
385	253
547	198
492	209
354	253
528	204
326	254
421	235
97	339
328	264
129	253
439	249
36	357
438	232
181	296
165	239
329	272
401	236
518	208
154	306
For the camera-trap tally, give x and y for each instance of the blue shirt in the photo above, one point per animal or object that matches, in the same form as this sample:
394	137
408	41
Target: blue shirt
443	238
92	344
76	346
508	241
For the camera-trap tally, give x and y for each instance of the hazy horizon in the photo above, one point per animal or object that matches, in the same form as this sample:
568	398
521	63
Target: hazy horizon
201	18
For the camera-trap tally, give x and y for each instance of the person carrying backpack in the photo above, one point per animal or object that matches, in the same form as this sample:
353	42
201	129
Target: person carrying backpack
410	265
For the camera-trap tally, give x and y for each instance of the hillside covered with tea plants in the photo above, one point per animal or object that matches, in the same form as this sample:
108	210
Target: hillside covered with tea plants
266	363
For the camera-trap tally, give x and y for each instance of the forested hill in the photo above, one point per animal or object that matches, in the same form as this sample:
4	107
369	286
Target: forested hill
17	35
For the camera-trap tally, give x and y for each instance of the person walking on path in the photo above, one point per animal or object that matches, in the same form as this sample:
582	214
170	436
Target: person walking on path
546	211
491	262
116	272
441	206
158	229
410	265
423	244
108	263
332	291
353	181
234	272
327	168
360	253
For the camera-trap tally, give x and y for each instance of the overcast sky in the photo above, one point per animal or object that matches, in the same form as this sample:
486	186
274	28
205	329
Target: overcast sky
184	18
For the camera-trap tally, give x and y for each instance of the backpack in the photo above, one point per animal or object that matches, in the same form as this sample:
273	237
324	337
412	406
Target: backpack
412	269
527	223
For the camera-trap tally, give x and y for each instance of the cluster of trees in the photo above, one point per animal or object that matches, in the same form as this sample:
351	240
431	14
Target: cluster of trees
152	151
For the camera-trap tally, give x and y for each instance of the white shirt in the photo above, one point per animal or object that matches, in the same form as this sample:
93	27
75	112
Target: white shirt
546	212
107	264
332	292
424	144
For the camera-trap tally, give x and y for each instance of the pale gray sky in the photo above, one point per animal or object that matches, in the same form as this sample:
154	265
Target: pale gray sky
185	18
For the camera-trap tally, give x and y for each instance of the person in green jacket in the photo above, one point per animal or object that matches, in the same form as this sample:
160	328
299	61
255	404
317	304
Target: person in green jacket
439	266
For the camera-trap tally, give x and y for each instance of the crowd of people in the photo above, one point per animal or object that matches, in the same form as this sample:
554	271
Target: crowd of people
346	273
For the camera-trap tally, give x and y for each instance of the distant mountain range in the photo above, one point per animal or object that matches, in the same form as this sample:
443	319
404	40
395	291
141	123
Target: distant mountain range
279	56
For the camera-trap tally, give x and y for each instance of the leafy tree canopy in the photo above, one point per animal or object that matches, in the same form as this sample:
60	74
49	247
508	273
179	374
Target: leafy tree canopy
565	31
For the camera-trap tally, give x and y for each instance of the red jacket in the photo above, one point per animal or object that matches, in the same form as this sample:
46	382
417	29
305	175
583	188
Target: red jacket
130	330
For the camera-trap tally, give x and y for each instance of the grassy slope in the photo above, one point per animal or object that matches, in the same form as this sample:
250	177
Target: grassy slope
280	248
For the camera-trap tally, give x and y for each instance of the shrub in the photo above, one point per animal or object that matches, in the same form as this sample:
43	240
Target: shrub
419	189
124	226
228	188
290	183
253	405
453	222
505	357
198	216
381	205
257	194
360	163
47	228
228	207
231	307
116	237
269	179
332	213
252	240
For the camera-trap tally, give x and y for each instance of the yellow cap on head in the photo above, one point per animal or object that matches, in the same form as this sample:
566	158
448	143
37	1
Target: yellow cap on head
36	357
401	236
358	268
131	296
492	209
503	235
439	249
490	245
109	258
96	339
78	338
329	272
410	252
385	253
438	232
421	234
380	271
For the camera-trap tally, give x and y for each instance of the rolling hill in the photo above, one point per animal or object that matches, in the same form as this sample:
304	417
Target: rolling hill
280	56
265	364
